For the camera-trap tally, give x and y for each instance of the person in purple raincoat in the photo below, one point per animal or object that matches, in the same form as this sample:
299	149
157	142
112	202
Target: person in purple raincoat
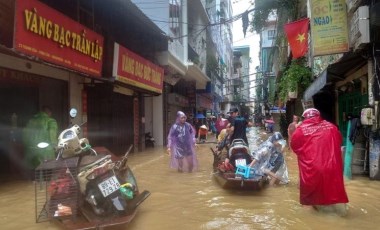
181	145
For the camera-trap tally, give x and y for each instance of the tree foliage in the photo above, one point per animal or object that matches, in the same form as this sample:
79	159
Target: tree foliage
263	8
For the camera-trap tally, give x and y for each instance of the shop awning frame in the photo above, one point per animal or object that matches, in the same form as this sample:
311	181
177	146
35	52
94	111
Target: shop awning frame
335	72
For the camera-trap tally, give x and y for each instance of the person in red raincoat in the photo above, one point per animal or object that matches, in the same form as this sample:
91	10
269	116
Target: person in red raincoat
317	144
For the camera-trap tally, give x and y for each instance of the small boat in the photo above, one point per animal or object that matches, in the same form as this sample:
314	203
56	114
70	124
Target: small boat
74	212
231	178
88	220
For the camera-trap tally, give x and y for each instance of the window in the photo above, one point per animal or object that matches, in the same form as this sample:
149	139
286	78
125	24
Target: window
175	16
271	34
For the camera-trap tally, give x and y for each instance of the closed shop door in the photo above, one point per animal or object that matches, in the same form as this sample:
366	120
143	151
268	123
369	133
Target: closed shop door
122	122
110	118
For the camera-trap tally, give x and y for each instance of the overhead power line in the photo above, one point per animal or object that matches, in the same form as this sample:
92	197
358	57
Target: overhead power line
234	18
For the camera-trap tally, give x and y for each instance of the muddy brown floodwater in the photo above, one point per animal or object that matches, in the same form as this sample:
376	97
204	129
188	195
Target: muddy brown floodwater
188	201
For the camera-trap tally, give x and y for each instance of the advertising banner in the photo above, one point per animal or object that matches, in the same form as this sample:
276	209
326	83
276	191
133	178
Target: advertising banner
45	33
134	70
329	29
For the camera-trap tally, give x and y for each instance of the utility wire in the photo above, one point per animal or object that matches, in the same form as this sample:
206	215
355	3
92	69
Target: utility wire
225	21
237	93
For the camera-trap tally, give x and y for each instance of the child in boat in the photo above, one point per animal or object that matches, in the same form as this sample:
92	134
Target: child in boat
223	147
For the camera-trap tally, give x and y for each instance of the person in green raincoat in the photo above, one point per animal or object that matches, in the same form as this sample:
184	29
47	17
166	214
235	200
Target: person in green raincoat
40	128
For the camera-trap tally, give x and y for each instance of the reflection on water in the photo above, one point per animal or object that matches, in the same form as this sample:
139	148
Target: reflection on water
195	201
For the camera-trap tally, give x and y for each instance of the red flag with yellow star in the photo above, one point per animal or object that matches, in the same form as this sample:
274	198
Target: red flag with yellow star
297	33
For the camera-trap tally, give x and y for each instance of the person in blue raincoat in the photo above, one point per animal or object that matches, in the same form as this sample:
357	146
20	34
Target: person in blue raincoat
181	145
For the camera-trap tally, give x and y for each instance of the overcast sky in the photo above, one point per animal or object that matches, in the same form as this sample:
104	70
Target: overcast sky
251	39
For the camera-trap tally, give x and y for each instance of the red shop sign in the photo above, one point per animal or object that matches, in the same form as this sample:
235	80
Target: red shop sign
48	34
134	70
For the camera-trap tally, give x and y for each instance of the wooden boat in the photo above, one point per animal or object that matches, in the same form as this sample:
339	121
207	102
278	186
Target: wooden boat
79	214
88	220
229	179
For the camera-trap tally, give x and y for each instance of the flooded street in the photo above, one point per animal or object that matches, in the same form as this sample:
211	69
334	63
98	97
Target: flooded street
189	201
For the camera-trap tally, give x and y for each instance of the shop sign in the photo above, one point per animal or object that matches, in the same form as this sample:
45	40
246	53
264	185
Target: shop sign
329	29
15	77
48	34
204	102
134	70
307	104
179	100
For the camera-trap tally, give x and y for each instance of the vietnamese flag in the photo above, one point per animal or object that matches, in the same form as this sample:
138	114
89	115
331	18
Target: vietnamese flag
297	33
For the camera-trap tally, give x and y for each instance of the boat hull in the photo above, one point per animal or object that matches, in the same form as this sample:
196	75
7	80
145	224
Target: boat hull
228	180
88	220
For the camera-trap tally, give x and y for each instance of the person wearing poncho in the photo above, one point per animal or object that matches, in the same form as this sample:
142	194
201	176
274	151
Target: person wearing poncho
269	159
181	145
317	144
40	128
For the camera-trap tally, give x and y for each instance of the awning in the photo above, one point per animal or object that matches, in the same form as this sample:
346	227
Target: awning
316	86
334	73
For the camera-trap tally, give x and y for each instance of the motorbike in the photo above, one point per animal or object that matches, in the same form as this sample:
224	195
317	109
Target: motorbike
85	186
239	153
149	140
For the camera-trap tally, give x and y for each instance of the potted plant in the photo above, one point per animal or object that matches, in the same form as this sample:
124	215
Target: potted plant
295	79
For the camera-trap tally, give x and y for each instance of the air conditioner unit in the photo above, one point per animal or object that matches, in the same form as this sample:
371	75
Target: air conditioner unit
359	28
352	5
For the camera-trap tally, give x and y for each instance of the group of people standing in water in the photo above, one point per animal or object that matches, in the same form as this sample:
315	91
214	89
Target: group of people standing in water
182	139
316	143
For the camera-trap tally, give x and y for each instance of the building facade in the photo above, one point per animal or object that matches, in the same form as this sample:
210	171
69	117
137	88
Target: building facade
84	54
343	76
197	60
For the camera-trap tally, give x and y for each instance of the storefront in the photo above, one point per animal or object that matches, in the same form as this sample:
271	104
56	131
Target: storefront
110	117
45	59
204	103
340	92
323	92
137	77
176	103
21	96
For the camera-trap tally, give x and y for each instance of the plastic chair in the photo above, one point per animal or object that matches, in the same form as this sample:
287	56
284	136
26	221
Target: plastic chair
243	170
